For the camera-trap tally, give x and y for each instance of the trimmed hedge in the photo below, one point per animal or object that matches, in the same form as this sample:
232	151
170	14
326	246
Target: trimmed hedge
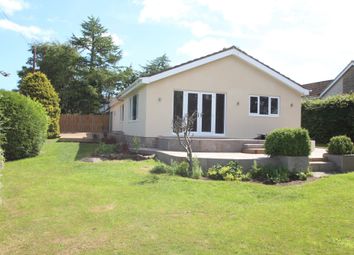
37	86
340	145
288	142
26	125
325	118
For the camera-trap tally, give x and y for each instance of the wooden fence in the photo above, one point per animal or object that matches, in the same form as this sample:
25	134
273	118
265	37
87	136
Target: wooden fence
71	123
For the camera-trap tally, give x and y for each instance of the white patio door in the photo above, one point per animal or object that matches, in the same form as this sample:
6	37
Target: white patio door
203	103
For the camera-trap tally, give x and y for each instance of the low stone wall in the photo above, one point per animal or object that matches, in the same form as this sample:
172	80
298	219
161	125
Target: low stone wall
207	162
345	163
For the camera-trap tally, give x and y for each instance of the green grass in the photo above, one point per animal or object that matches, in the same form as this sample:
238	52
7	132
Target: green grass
54	204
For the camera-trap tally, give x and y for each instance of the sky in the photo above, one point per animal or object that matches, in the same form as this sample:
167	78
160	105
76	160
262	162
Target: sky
307	40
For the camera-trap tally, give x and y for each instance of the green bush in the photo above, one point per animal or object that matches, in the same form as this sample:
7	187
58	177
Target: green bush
178	168
37	86
325	118
159	169
288	142
197	169
340	145
272	174
233	171
26	125
104	149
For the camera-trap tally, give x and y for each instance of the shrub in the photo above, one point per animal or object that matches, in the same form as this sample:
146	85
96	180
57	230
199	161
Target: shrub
233	171
159	169
104	149
37	86
197	169
288	142
273	174
178	168
325	118
2	158
340	145
136	144
26	125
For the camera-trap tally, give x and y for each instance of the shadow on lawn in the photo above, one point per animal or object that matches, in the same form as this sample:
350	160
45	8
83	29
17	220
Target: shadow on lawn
85	150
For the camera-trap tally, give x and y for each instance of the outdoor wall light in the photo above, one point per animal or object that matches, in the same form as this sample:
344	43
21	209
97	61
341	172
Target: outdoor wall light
238	103
291	105
159	99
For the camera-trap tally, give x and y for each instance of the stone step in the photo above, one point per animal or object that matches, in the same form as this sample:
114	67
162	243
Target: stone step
322	166
254	151
252	145
315	159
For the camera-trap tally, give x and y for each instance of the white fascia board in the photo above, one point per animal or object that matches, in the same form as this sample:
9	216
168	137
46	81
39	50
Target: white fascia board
339	76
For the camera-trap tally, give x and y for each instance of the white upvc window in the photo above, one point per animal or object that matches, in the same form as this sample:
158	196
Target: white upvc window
133	109
264	106
121	112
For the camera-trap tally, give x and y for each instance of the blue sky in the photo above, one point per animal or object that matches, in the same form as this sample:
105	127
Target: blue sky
307	40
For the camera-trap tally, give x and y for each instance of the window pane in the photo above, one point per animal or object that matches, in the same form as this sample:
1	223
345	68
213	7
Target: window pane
220	113
274	106
177	104
254	105
135	107
206	115
263	105
193	107
122	112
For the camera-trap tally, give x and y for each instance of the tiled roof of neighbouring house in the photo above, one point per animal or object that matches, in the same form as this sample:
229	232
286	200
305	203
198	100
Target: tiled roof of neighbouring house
316	87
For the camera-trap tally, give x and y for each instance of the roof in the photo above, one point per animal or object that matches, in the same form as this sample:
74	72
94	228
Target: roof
232	51
316	88
339	76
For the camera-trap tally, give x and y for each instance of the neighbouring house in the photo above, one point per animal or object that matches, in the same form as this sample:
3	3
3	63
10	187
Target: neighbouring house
342	84
235	95
316	88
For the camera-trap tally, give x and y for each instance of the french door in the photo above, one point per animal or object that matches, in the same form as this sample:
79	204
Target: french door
210	109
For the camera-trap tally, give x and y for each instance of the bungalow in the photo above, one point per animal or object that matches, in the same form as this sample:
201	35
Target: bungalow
235	95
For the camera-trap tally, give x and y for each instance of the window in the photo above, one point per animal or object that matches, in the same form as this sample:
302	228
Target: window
133	101
220	113
264	106
177	105
122	112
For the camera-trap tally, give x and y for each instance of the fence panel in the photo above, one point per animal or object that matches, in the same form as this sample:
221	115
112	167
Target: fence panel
70	123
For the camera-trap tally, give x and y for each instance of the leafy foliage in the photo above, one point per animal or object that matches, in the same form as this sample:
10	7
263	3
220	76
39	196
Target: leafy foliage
26	125
103	149
325	118
233	171
340	145
159	169
288	142
60	63
272	174
156	65
37	86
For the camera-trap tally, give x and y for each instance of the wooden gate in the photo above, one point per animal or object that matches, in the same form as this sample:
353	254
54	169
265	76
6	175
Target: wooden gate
71	123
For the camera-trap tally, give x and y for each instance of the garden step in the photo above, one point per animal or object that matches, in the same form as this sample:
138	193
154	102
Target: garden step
323	166
252	145
315	159
254	151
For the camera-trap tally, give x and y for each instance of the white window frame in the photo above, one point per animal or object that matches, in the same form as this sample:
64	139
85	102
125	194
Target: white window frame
258	106
131	108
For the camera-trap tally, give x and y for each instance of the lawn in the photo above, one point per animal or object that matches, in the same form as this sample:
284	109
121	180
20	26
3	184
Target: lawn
55	204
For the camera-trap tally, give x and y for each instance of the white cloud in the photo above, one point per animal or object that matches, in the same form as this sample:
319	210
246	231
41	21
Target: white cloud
198	48
12	6
30	32
308	40
116	39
